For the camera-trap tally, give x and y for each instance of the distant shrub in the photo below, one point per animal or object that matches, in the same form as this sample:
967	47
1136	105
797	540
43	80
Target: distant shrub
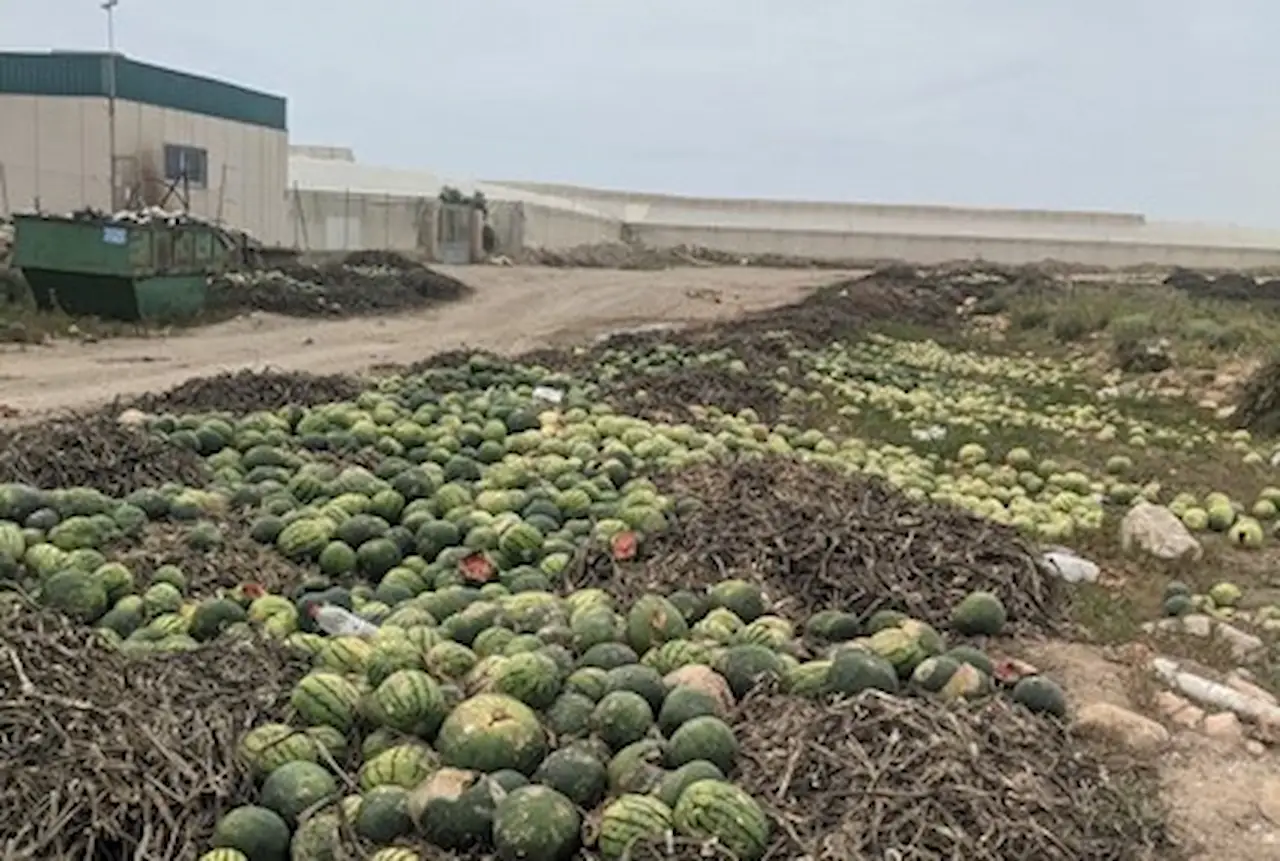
1072	325
1031	318
1212	333
1130	327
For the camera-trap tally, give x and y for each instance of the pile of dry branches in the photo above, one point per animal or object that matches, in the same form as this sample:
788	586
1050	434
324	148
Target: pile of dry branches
106	756
816	539
881	776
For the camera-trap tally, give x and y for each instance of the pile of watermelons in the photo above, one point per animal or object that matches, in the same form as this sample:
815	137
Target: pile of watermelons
495	709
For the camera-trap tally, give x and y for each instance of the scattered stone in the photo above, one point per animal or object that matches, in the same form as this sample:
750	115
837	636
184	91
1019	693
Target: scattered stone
1244	646
1156	530
1195	624
1237	681
1169	704
1224	726
1267	796
1189	717
1255	747
1104	720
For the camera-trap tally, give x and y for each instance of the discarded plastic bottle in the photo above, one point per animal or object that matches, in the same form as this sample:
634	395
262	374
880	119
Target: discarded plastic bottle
337	622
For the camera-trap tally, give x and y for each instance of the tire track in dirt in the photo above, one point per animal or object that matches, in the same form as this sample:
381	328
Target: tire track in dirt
513	310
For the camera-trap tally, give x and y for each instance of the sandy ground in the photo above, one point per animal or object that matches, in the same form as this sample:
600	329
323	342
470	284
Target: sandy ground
513	310
1225	801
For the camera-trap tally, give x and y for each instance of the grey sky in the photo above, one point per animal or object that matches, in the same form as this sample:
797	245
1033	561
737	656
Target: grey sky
1162	106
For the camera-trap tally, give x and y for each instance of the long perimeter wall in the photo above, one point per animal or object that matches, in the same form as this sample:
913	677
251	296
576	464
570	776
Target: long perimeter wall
337	204
923	234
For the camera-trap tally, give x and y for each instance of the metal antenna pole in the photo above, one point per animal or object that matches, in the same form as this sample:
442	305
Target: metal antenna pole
109	6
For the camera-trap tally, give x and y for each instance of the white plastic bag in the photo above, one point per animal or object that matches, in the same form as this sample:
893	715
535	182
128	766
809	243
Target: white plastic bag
1071	567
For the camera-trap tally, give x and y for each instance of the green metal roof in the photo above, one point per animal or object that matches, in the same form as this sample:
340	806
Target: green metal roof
87	74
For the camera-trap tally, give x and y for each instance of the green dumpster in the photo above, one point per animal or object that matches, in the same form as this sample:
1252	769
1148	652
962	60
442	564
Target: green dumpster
119	270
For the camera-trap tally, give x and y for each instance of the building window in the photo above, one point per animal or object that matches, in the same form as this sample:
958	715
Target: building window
186	163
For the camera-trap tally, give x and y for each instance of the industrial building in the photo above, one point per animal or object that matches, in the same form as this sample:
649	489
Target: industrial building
222	151
101	130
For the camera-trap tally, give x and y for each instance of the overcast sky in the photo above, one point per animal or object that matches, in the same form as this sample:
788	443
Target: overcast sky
1171	107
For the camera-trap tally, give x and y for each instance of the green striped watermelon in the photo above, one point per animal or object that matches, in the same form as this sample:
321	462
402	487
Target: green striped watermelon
715	809
404	765
326	699
345	655
269	746
409	701
631	819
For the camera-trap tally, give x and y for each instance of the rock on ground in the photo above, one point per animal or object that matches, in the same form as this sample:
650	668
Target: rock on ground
1130	729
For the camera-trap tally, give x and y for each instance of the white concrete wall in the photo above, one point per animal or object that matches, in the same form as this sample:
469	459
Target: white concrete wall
549	227
55	155
859	231
351	221
558	216
636	207
927	248
331	153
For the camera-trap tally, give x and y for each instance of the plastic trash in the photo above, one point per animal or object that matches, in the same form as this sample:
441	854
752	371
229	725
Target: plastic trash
337	622
548	394
1071	567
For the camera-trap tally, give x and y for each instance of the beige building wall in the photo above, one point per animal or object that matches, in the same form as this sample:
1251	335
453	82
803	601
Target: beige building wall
55	154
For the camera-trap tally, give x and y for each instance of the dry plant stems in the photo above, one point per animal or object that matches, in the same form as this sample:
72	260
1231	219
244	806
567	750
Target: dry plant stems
250	391
816	539
908	778
94	451
108	756
238	559
669	397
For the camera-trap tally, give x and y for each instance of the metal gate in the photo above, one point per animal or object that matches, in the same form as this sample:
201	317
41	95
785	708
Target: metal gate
453	233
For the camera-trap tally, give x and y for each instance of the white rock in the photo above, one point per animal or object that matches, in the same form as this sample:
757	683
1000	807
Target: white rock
1244	646
1158	531
1238	681
1134	731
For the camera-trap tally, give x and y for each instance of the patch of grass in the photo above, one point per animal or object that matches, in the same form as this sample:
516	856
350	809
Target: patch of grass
24	324
1202	330
1075	325
1131	591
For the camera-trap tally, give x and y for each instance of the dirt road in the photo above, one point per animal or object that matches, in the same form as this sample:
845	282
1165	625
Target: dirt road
513	310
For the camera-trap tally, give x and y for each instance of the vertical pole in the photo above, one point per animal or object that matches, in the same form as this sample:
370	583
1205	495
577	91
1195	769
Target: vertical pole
109	7
346	220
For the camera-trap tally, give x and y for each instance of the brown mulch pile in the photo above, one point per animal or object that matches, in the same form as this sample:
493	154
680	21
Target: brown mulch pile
1229	286
816	539
1258	407
879	776
250	391
238	560
841	310
108	756
668	397
94	451
363	283
633	256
